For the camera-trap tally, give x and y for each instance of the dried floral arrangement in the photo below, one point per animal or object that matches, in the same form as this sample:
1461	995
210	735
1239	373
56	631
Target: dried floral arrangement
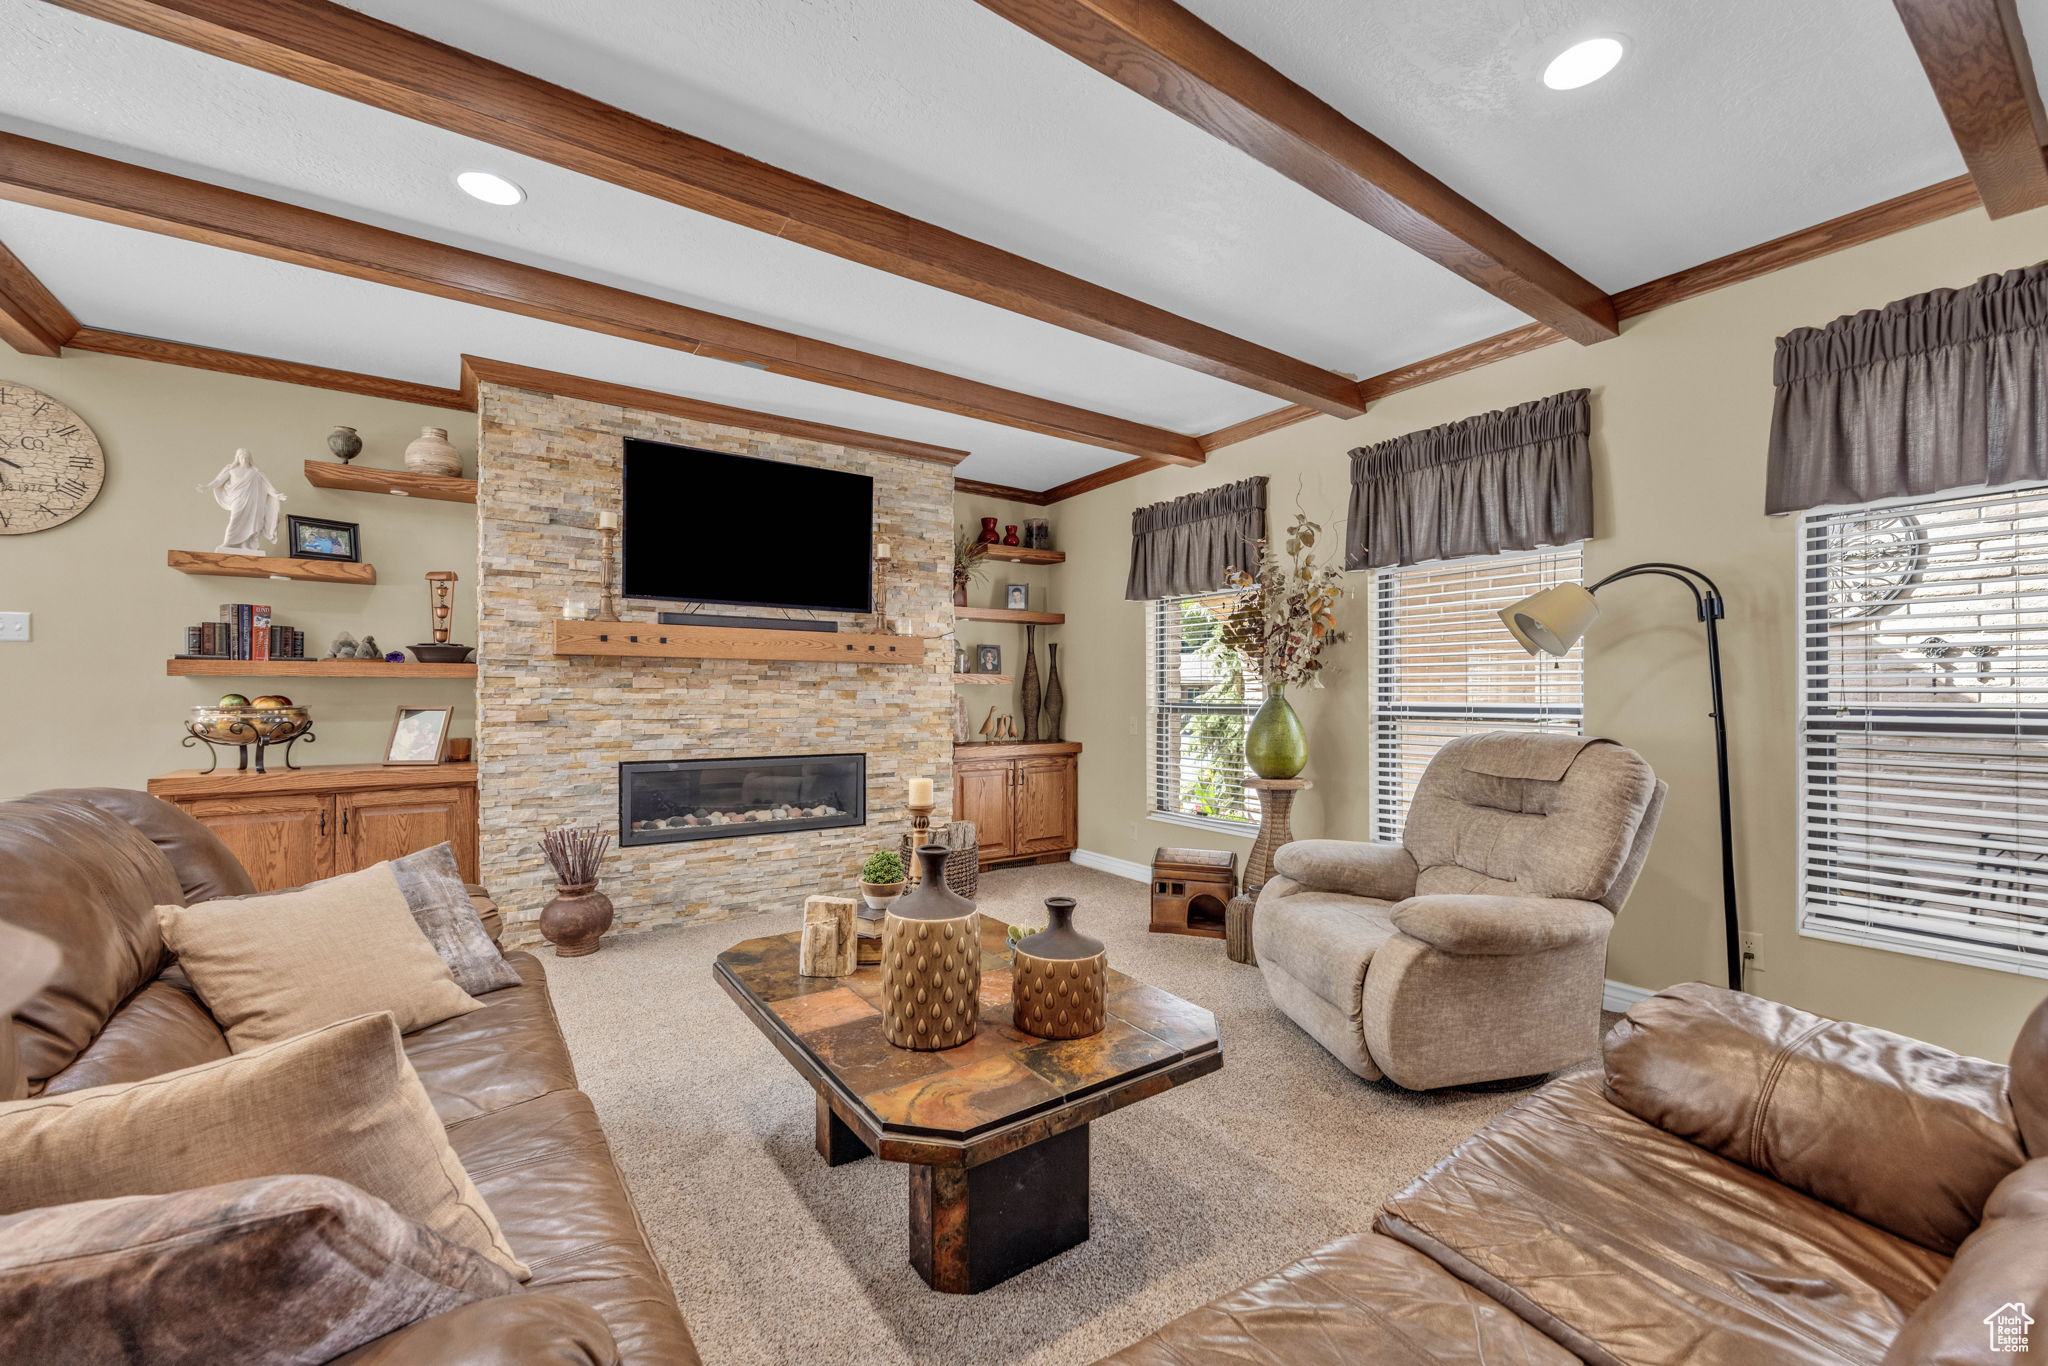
575	853
1285	615
969	558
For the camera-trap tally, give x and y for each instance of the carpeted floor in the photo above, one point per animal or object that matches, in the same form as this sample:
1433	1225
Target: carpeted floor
779	1259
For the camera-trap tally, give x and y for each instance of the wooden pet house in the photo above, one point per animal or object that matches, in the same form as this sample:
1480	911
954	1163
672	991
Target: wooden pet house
1190	888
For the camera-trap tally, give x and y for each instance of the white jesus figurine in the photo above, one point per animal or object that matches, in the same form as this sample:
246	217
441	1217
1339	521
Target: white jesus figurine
252	505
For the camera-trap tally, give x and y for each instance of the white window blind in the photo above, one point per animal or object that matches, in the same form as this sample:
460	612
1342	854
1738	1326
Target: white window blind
1444	666
1924	729
1203	698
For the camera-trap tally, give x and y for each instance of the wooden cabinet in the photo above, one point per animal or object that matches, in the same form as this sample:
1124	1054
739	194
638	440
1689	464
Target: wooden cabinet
1023	799
291	827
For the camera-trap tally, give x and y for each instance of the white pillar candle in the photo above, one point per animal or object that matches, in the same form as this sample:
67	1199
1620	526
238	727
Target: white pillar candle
881	550
607	521
920	791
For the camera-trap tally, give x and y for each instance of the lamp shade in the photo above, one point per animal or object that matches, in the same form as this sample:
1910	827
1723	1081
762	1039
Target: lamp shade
1551	622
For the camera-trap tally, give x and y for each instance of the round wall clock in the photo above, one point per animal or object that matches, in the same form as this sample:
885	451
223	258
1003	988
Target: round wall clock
51	465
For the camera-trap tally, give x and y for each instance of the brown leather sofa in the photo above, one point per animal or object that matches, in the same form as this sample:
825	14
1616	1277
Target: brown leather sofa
1740	1184
87	867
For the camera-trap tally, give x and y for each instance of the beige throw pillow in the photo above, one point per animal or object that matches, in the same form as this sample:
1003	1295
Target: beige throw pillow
270	967
341	1101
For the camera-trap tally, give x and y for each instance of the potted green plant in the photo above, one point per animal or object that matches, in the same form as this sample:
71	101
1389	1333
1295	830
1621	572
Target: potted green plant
882	879
1284	617
1018	932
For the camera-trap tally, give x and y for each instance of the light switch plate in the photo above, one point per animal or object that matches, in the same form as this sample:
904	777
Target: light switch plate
13	626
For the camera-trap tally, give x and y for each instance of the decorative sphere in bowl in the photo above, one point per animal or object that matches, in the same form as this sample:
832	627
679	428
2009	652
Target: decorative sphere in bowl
246	725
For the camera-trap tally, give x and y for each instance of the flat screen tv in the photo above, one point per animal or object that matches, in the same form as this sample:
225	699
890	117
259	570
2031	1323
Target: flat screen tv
703	526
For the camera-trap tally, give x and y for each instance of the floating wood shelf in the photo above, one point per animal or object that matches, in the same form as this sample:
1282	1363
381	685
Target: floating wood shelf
269	567
313	668
984	678
442	488
646	640
1021	554
1006	614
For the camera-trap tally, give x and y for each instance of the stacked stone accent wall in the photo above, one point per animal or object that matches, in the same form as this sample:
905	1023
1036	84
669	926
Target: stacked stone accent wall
551	732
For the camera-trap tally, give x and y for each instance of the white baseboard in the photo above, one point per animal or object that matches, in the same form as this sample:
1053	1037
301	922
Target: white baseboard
1121	867
1620	995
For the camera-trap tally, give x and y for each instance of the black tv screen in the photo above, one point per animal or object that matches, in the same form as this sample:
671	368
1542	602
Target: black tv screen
703	526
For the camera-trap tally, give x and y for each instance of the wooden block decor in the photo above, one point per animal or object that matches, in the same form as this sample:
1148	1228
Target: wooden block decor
1237	929
931	981
1059	998
831	939
1190	890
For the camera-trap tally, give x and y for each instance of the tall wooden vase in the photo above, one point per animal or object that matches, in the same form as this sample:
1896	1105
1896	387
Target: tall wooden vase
1054	711
931	963
1028	702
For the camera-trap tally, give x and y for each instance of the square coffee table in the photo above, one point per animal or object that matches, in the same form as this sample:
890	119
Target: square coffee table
995	1132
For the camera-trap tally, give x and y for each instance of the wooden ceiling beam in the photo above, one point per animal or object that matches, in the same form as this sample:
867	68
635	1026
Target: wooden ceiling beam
1976	58
108	343
32	320
52	177
353	55
1172	58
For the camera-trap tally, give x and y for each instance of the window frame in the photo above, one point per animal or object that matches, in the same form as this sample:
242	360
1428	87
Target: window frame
1158	712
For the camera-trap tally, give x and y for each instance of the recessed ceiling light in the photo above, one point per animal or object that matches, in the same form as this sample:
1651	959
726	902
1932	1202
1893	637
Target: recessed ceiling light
495	189
1582	63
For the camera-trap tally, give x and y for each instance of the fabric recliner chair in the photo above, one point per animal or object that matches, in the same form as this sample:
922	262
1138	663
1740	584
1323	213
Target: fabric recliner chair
1475	949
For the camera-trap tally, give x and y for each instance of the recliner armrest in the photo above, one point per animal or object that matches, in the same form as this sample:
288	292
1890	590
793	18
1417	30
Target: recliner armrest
510	1330
1352	867
1498	926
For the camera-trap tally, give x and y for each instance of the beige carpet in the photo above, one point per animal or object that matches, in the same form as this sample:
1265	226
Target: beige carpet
778	1259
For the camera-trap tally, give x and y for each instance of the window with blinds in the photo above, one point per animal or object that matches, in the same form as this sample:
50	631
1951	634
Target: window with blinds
1924	728
1203	698
1444	666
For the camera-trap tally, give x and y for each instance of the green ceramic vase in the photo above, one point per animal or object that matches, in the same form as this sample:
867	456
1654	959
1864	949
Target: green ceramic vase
1276	746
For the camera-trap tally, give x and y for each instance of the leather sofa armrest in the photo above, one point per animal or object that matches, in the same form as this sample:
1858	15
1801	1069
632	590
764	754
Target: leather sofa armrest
1902	1134
510	1330
487	911
1385	872
1500	926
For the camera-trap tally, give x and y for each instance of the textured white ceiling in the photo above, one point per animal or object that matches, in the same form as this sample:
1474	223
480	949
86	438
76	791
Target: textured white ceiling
1729	123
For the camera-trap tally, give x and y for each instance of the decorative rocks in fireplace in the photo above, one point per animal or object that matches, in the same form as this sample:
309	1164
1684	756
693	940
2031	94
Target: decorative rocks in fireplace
712	799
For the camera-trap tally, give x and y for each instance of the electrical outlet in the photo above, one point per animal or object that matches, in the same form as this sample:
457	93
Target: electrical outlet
1752	952
13	626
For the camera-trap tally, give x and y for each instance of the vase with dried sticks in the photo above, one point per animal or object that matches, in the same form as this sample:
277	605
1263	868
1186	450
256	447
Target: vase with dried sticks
580	914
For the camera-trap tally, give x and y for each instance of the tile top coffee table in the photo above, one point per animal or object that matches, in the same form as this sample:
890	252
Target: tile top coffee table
995	1132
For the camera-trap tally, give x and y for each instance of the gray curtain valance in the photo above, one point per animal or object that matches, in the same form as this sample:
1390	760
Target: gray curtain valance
1190	544
1944	390
1514	479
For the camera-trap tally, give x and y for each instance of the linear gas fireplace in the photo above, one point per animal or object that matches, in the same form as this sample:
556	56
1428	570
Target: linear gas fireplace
715	799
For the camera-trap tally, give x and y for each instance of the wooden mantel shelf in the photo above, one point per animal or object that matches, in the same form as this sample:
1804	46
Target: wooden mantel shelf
646	640
442	488
270	567
1009	615
313	668
192	782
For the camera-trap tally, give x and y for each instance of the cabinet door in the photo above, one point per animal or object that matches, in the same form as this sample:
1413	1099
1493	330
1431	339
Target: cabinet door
284	841
981	793
1046	816
379	825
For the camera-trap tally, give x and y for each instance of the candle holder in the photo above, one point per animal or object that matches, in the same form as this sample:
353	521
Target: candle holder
919	836
608	602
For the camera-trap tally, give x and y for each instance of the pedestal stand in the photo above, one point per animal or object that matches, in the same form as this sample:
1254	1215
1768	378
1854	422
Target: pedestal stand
1276	798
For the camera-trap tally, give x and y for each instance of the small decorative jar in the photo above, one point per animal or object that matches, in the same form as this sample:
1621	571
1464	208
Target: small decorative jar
430	453
344	444
1059	977
931	963
576	919
989	535
1010	536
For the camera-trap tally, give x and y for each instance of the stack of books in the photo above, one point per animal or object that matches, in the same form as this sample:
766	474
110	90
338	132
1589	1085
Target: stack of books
244	631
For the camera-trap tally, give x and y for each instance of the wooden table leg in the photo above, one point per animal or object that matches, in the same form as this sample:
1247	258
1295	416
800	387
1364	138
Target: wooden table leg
837	1144
974	1227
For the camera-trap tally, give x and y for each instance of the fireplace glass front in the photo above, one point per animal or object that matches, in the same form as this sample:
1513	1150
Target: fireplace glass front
714	799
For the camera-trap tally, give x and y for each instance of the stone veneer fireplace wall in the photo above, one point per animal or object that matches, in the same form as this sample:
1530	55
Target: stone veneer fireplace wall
552	732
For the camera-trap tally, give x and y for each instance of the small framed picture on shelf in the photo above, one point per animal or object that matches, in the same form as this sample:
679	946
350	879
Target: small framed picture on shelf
311	538
419	735
988	659
1017	597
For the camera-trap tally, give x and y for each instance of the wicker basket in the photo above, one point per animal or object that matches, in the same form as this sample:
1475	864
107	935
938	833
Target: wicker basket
963	864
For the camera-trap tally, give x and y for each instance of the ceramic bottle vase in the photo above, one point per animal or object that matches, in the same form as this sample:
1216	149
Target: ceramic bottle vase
1027	702
430	453
344	444
931	963
989	534
576	919
1275	745
1053	713
1058	978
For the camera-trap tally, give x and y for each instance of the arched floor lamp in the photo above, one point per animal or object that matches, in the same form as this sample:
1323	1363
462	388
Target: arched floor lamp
1552	621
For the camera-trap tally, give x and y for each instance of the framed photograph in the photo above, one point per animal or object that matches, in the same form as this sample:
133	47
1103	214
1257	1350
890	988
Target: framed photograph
419	735
1017	597
310	538
989	658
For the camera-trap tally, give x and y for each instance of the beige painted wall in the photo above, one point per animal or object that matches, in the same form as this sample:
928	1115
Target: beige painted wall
1049	587
88	701
1681	405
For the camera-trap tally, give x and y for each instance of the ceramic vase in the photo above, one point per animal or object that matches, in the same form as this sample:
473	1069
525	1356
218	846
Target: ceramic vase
1010	536
989	535
1275	745
1029	698
1059	978
344	444
430	453
576	919
931	963
959	592
1053	712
